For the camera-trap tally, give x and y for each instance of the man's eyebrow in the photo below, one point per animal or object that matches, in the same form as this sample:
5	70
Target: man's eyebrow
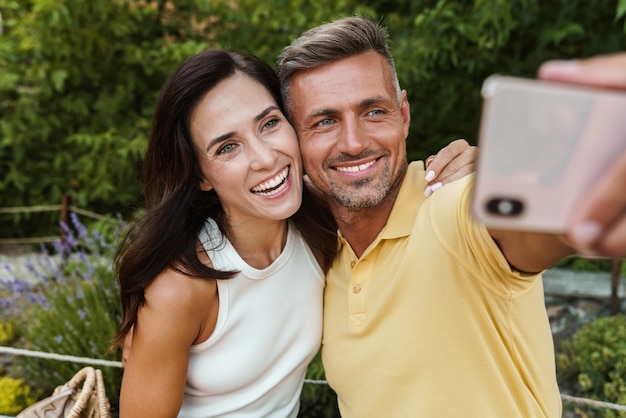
370	101
362	104
228	135
323	112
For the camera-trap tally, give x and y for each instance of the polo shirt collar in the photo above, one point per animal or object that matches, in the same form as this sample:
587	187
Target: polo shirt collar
407	204
405	208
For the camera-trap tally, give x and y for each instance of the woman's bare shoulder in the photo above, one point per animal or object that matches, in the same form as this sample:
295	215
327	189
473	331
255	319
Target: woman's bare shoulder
173	287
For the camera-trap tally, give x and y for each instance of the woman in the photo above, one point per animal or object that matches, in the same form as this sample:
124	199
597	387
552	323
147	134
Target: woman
222	165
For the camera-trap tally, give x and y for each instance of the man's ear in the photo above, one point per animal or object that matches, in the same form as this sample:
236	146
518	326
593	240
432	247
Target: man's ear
405	111
204	185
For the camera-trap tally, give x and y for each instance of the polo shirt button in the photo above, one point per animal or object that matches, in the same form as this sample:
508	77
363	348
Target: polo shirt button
352	263
356	288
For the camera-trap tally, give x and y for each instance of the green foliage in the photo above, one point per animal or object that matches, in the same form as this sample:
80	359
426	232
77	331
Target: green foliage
68	304
78	79
593	363
445	49
264	30
585	264
318	400
78	83
16	395
621	11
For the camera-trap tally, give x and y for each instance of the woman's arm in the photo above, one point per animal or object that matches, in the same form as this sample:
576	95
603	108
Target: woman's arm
175	316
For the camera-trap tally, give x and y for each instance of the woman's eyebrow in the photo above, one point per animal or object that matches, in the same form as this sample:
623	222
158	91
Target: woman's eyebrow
224	137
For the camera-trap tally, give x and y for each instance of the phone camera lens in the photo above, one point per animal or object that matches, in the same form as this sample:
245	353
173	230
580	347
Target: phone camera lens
505	206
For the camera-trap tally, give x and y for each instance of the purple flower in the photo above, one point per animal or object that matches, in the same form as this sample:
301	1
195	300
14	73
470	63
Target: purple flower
82	230
58	246
80	293
8	268
89	273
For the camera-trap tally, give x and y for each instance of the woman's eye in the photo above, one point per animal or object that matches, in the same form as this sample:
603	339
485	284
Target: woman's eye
226	149
271	123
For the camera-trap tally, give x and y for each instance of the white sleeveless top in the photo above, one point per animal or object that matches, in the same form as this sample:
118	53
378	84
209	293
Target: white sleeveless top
269	327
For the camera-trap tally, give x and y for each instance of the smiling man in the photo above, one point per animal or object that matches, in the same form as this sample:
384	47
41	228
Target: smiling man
426	312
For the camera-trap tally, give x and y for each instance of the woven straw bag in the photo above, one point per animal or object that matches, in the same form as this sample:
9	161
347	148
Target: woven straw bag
72	401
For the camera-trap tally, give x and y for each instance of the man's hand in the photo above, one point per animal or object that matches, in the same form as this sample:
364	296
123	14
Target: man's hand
451	163
598	225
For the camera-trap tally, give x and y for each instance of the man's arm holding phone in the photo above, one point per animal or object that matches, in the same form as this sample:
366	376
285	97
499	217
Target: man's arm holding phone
531	252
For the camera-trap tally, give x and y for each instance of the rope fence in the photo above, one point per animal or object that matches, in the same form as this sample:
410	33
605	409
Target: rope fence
107	363
89	361
593	403
50	208
64	208
60	357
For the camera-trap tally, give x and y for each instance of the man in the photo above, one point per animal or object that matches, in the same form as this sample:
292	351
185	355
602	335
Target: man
426	312
599	223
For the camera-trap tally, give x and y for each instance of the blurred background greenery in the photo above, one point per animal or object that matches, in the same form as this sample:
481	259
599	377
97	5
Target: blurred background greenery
79	78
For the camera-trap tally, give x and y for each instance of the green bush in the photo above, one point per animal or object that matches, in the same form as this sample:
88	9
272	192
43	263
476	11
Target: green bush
87	74
69	307
318	400
593	363
16	395
587	264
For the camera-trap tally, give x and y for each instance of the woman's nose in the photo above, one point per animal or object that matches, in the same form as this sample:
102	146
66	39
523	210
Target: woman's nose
263	155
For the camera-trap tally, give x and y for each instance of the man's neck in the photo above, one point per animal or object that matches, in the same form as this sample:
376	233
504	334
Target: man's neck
361	227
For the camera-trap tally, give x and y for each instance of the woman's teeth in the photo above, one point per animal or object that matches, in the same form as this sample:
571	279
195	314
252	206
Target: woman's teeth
272	186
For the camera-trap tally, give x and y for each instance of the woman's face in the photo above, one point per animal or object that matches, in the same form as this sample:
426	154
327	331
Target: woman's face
248	151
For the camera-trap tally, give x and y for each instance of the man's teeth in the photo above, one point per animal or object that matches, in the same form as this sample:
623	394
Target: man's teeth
265	189
355	168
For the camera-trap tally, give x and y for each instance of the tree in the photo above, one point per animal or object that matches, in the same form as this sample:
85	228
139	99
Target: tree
79	79
445	49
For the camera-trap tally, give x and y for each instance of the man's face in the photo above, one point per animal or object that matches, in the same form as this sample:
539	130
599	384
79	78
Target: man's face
352	129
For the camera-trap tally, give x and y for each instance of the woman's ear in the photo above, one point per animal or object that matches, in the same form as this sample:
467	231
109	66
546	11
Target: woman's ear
204	185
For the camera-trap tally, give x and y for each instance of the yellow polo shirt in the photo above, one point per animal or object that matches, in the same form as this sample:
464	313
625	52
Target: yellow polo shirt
432	322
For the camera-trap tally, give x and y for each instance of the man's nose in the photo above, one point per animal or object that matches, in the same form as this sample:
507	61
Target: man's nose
352	139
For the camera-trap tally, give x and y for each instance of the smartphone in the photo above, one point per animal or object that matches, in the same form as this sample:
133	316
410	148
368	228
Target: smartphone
541	145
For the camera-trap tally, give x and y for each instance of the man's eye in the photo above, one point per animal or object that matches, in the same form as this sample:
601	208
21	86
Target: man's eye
325	122
376	112
226	149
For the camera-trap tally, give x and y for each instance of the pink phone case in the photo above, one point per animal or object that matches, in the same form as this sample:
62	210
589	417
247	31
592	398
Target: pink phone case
541	146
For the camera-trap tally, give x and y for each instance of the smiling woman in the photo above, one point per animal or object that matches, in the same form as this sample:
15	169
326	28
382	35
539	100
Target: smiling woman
227	265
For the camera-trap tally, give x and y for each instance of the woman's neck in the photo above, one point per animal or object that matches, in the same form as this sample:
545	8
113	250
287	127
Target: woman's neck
259	244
